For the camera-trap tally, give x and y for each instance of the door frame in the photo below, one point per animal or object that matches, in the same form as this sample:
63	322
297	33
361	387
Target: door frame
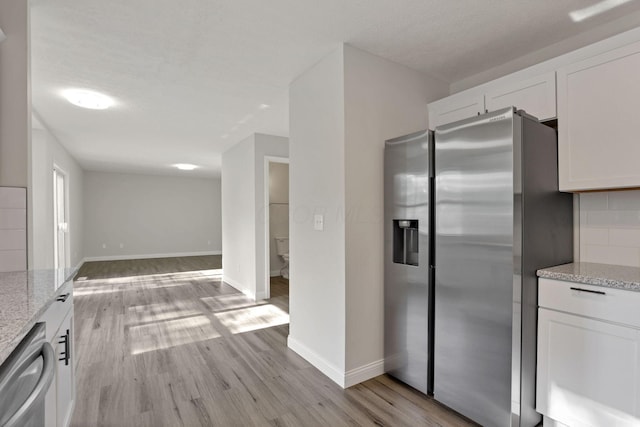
267	229
67	246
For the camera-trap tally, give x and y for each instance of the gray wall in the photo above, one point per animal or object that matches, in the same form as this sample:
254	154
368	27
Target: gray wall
150	216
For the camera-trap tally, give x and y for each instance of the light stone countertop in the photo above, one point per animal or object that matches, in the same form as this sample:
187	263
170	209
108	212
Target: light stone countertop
607	275
24	297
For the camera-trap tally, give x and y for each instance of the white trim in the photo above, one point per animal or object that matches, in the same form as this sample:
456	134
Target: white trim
267	244
149	256
274	273
335	374
79	265
364	373
231	282
67	220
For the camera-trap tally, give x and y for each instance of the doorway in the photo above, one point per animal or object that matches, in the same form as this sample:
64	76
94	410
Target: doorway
277	226
61	258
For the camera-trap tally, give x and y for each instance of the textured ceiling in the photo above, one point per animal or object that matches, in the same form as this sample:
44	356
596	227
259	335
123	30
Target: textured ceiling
189	76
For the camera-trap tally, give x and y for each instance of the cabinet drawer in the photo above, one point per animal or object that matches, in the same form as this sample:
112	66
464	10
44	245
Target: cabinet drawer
615	305
58	310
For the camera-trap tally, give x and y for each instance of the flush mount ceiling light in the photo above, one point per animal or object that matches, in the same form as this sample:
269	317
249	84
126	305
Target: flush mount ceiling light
596	9
88	99
185	166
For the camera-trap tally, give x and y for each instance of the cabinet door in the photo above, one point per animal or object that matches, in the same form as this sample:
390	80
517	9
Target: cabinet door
588	371
455	107
536	96
598	104
65	380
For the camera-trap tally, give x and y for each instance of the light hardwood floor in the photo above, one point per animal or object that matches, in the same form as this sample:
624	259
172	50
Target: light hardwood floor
166	343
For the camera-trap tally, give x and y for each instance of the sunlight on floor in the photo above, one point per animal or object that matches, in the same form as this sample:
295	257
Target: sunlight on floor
171	333
181	321
148	281
230	302
253	318
162	311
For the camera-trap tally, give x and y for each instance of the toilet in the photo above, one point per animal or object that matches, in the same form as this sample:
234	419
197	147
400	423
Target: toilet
282	248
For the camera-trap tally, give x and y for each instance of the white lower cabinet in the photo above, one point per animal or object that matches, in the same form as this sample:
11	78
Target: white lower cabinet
65	378
60	398
588	370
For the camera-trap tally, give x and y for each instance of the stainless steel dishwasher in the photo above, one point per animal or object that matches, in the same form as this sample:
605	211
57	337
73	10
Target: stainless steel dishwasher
25	378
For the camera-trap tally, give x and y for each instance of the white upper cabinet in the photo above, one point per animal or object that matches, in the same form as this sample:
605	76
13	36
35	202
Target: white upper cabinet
536	96
455	107
598	107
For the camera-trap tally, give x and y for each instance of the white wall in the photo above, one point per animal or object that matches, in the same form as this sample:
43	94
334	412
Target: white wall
46	151
244	262
150	215
610	227
238	216
278	212
317	328
341	112
383	100
15	95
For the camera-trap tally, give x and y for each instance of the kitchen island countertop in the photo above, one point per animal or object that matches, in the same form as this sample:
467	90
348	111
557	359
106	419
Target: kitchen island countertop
606	275
24	297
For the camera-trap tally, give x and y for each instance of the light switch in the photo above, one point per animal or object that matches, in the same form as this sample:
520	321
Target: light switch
318	222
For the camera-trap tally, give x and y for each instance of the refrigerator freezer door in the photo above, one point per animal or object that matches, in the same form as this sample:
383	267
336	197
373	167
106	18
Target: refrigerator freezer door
474	266
406	264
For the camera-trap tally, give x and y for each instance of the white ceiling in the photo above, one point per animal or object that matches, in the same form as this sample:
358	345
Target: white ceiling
189	76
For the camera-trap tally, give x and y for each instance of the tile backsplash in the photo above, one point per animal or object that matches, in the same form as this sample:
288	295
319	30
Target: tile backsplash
13	229
610	227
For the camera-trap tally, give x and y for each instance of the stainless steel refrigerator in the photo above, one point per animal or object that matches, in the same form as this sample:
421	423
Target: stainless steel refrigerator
408	182
498	218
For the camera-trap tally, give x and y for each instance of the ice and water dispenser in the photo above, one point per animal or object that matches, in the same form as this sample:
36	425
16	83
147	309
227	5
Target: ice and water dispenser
405	241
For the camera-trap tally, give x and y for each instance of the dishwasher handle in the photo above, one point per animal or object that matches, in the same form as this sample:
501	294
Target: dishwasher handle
42	386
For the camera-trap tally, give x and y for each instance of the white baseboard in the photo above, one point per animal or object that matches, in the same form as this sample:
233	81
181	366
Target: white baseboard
335	374
233	283
79	265
238	286
364	373
274	273
149	256
343	379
